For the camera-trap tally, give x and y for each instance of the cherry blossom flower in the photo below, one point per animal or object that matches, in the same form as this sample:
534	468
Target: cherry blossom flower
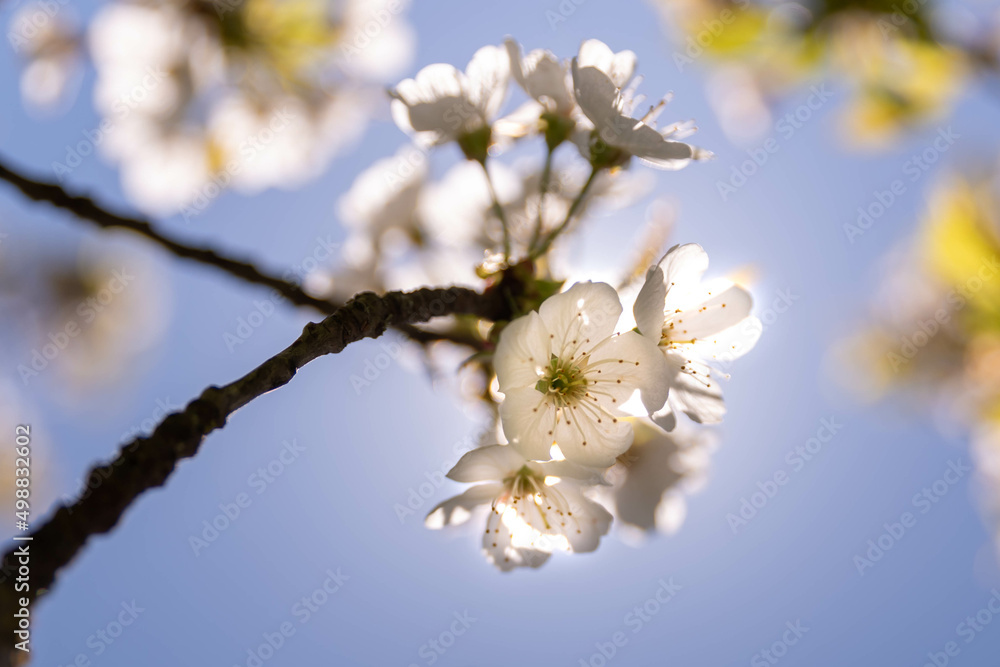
599	80
694	324
384	197
252	95
649	482
552	109
443	104
50	46
535	508
543	77
565	377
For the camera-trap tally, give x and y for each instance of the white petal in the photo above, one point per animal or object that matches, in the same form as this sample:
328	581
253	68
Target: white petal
588	523
545	80
432	83
528	422
648	308
487	75
385	194
435	98
516	62
718	312
457	510
600	101
619	67
652	471
520	122
628	362
500	551
665	417
522	353
570	470
652	148
580	317
732	343
683	266
695	391
494	462
592	434
557	517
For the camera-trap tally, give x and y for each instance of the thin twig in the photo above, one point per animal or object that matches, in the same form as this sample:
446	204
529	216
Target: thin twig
87	209
543	189
544	247
498	209
147	463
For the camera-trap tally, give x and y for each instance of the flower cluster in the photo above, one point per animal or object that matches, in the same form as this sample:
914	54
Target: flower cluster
574	393
569	389
198	96
405	230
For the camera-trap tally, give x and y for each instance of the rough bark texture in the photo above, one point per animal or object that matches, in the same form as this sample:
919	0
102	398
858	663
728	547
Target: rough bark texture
147	463
86	209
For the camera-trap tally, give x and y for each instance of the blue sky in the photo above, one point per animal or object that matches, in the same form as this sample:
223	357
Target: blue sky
400	586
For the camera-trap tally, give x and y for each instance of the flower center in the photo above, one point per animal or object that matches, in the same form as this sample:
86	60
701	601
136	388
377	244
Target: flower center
563	381
476	143
604	155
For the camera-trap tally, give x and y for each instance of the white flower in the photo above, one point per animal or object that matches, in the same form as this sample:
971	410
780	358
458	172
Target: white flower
619	67
599	79
651	478
543	77
443	104
385	195
535	508
197	104
50	45
565	377
458	208
694	324
548	81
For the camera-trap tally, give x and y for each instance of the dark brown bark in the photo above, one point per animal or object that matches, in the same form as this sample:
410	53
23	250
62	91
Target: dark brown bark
147	463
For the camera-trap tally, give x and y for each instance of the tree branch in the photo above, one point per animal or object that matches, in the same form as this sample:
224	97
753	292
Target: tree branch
86	209
147	463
